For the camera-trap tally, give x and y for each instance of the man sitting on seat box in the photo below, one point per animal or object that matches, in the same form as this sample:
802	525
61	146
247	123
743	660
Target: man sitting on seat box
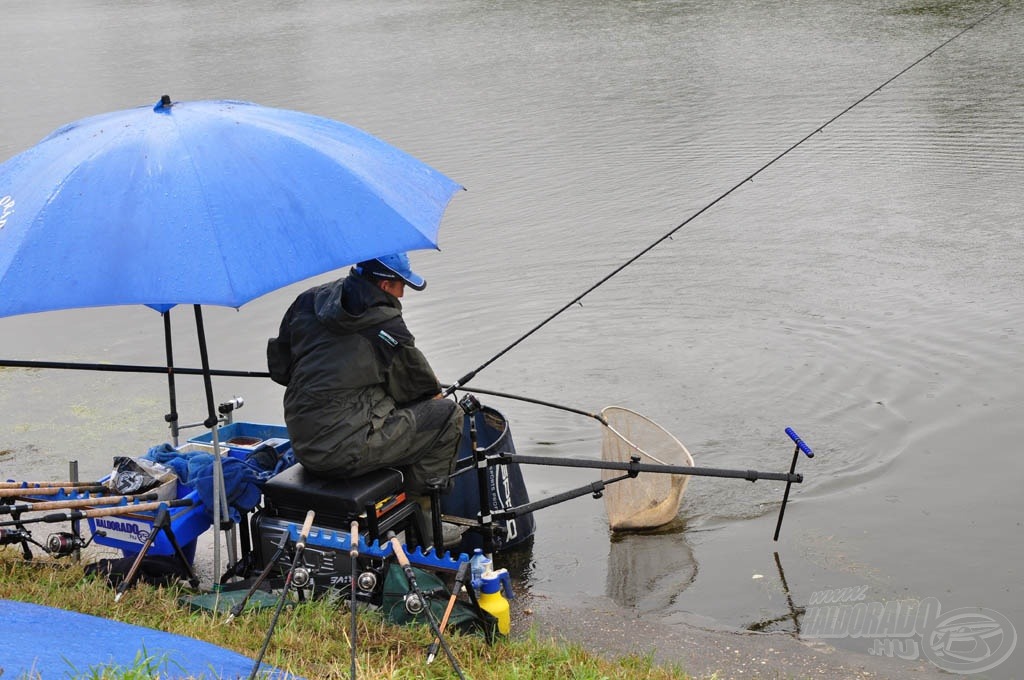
360	396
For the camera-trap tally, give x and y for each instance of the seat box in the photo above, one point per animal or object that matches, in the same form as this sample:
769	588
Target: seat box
293	492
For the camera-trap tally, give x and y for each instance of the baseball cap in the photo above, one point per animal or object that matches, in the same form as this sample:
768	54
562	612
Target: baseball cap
393	267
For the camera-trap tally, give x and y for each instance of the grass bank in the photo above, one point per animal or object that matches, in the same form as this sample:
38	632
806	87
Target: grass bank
310	640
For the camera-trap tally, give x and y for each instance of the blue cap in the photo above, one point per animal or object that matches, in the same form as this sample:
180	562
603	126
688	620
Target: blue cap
393	267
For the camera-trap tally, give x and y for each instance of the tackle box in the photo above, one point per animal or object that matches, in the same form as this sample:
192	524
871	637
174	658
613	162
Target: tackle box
240	439
128	531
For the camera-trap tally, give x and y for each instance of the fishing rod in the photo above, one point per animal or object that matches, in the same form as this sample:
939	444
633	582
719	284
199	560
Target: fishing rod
469	376
100	512
129	368
74	503
226	373
300	547
410	576
504	395
353	555
25	485
16	492
460	577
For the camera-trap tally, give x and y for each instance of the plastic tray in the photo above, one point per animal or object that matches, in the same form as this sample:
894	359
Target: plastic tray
242	438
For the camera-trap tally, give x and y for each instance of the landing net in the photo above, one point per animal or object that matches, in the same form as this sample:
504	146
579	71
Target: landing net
652	498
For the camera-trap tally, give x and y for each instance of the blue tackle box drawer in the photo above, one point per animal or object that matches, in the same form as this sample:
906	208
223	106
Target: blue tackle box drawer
129	531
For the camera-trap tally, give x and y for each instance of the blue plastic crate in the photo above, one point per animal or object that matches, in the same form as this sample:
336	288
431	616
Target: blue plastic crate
128	532
242	438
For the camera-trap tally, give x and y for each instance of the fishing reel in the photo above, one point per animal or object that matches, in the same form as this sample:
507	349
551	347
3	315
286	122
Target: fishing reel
469	403
301	577
20	537
367	581
65	543
414	604
14	536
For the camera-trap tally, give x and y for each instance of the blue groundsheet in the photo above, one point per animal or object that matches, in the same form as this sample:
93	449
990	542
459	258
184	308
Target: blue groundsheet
52	643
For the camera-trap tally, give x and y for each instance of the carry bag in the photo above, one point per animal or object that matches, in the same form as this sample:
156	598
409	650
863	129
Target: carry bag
466	616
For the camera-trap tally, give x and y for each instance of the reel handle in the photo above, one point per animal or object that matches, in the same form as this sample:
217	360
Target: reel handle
353	544
304	532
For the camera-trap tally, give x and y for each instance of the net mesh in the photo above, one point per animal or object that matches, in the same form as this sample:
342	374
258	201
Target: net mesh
652	498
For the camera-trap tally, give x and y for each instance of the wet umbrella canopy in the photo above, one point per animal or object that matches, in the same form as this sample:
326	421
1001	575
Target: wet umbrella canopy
207	202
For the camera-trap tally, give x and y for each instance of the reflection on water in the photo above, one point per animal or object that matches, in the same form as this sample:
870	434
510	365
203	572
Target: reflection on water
643	574
787	622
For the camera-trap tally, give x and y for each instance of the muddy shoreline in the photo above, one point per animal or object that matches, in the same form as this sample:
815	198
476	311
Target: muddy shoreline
602	627
701	649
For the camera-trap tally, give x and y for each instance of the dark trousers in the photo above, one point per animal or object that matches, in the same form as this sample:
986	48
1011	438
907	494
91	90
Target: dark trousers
428	458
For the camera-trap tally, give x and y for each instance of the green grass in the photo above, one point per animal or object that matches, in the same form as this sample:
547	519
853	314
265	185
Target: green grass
310	640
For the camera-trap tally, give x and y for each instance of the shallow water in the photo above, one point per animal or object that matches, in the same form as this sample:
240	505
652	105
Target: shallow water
865	289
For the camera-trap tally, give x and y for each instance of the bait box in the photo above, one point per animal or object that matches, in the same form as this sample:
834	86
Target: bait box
240	439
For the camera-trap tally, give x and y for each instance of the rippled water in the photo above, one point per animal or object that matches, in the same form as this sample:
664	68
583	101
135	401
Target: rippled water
865	289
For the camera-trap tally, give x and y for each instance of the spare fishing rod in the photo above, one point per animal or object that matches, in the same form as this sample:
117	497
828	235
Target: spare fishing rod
460	578
469	376
300	547
128	368
100	512
22	491
74	503
410	575
29	485
353	555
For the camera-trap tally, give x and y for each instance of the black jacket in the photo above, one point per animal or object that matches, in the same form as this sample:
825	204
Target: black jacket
348	361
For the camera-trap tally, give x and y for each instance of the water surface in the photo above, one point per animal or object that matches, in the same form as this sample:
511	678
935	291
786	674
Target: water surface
865	289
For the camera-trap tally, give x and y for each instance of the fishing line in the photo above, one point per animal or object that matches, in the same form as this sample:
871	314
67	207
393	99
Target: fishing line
469	376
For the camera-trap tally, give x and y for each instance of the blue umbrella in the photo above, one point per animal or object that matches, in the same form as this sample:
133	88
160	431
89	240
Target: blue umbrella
207	202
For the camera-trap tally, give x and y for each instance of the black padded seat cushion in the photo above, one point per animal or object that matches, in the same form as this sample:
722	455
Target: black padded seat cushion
299	489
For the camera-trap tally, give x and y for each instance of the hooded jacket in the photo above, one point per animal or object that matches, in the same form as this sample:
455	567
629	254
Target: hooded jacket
349	364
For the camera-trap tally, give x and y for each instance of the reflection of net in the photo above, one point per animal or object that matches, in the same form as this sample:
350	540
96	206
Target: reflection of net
652	498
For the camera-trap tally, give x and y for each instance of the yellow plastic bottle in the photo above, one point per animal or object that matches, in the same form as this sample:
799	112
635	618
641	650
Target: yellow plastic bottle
493	600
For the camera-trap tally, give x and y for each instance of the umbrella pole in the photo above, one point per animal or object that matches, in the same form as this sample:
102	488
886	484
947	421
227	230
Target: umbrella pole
172	416
220	509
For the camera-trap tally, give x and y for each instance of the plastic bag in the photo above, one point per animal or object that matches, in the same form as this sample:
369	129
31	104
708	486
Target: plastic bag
131	476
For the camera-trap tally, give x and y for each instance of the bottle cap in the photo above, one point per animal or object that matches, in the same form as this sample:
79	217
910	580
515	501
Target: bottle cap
494	581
